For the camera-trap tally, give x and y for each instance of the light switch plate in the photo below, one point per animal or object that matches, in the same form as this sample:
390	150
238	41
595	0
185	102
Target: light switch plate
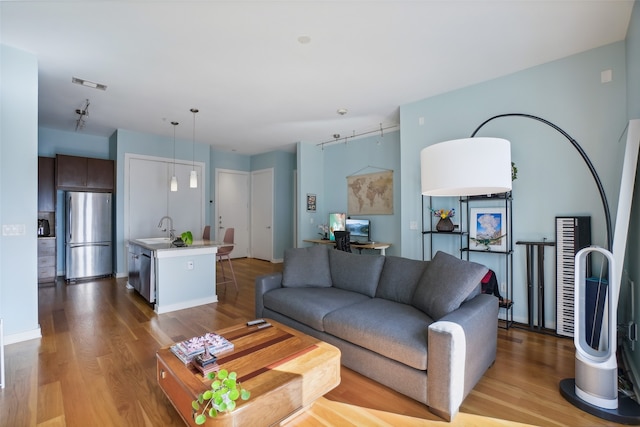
13	229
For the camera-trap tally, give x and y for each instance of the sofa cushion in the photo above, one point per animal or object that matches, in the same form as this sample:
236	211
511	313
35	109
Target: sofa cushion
353	272
446	283
394	330
306	267
399	278
310	305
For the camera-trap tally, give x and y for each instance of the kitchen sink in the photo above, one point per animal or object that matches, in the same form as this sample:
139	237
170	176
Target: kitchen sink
155	240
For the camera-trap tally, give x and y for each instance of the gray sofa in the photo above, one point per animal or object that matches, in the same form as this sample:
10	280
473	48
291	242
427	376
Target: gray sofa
421	328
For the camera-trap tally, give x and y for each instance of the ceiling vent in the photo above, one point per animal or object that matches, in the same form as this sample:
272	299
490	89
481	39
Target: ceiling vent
88	83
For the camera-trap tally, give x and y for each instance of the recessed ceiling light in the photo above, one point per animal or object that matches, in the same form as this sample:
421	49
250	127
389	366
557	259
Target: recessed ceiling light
304	39
88	83
342	111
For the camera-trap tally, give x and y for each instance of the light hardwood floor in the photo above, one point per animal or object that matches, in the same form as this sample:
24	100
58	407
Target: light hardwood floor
95	366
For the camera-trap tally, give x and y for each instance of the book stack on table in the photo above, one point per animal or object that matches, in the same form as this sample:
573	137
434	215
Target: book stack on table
187	350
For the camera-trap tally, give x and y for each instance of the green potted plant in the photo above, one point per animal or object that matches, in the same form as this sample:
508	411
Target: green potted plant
187	238
225	390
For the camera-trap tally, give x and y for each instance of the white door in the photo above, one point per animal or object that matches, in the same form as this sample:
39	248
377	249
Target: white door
262	214
232	209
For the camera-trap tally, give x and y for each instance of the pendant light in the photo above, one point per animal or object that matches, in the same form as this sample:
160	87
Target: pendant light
174	181
193	178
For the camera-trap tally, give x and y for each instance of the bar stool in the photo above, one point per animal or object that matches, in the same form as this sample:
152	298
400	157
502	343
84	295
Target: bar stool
224	252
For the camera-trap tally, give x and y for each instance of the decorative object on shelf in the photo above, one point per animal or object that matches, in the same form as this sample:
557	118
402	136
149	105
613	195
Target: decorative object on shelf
487	229
225	390
444	224
325	231
193	177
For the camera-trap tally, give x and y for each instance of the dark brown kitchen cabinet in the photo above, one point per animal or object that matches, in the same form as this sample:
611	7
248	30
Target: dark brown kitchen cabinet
46	184
84	174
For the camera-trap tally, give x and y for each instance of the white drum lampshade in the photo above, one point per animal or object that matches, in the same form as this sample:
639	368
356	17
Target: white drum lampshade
466	167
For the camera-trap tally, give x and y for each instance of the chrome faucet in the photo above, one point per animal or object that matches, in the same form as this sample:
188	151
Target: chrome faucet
172	232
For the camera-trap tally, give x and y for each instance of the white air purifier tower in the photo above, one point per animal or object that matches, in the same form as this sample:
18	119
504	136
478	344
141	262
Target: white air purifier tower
596	365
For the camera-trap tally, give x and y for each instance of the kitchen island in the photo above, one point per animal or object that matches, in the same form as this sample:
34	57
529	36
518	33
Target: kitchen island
173	278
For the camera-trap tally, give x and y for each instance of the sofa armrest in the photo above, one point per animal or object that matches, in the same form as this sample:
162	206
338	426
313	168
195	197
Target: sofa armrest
461	347
263	285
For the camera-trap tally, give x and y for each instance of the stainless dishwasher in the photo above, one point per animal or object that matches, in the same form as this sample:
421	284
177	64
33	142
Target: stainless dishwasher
147	286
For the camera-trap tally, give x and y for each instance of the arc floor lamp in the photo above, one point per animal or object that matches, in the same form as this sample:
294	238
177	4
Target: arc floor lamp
594	389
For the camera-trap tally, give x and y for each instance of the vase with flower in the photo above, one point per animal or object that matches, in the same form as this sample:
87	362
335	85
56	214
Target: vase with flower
444	223
325	231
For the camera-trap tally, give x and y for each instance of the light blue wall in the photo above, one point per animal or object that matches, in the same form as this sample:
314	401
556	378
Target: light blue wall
53	141
362	156
283	164
310	180
552	179
19	193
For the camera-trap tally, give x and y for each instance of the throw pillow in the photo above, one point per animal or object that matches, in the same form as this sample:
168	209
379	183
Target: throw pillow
306	267
445	284
354	272
399	278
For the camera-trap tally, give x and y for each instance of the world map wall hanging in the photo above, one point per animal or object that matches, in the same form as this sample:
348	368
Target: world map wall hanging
370	194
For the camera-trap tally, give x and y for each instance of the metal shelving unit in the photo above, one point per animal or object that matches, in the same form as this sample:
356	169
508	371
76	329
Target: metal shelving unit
506	306
462	233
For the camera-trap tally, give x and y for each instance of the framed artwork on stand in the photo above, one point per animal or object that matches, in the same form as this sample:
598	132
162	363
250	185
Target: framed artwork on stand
488	229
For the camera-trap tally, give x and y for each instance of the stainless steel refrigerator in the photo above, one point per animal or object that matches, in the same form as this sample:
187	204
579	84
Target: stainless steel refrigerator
88	245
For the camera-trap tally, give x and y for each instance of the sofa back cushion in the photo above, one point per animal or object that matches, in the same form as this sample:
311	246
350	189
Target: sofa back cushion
399	279
306	267
446	283
354	272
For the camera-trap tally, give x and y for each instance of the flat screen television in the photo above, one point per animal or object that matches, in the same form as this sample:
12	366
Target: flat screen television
337	222
360	229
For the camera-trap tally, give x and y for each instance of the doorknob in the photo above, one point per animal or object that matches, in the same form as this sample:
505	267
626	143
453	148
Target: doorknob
268	227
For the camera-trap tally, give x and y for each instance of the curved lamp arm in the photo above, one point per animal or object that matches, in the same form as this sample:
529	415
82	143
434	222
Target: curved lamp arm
583	154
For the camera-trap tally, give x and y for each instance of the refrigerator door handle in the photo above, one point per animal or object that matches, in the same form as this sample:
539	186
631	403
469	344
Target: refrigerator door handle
70	220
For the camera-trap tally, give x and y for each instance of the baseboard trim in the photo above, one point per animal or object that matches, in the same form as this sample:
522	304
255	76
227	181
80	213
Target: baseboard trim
23	336
186	304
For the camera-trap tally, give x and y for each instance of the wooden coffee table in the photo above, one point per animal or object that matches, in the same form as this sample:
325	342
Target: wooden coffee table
284	369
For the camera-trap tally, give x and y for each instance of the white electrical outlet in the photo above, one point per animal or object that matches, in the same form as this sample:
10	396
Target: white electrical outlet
503	287
189	265
413	225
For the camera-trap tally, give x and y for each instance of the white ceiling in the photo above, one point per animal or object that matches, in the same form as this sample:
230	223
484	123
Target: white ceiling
256	86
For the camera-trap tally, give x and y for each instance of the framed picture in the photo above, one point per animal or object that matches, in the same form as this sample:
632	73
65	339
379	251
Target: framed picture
488	229
311	202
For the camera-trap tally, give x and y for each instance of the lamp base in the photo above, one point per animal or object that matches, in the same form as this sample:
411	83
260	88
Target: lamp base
628	411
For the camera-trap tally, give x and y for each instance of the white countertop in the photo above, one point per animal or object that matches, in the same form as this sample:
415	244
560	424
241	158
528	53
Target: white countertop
168	250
